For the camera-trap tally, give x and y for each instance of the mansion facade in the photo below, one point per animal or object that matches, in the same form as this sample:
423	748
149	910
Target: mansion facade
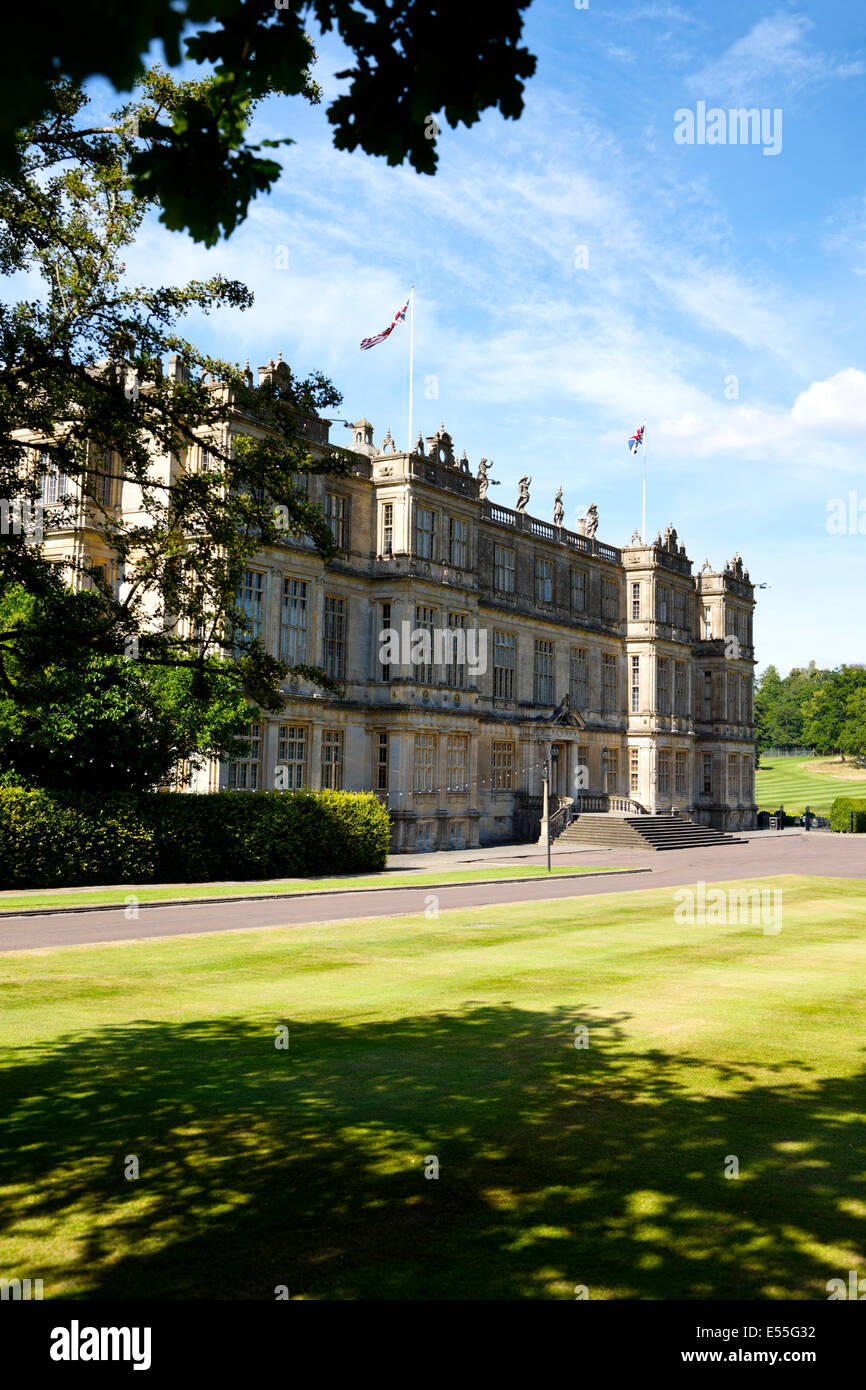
477	645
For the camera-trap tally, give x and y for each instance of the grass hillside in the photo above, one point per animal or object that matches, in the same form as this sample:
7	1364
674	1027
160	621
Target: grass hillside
799	782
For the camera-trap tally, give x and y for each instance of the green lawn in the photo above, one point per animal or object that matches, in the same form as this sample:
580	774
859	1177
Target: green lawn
792	783
419	878
451	1037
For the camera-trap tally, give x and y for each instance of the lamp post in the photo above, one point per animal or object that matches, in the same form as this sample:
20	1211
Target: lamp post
545	809
554	754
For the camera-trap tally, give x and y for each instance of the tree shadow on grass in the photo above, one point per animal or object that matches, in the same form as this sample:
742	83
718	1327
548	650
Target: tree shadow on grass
559	1167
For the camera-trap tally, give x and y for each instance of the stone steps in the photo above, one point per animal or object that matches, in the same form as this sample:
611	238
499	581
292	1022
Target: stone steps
643	832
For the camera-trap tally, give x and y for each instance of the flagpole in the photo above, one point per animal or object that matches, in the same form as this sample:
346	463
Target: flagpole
643	512
411	360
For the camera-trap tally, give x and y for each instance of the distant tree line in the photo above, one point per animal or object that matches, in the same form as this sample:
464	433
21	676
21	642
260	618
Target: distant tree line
824	710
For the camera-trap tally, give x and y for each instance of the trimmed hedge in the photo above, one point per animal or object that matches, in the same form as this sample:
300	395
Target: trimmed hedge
50	840
54	840
840	814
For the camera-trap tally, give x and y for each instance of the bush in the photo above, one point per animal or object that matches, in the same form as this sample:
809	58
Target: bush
51	839
267	834
841	811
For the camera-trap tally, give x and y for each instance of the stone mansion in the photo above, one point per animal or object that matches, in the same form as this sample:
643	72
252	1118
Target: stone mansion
476	643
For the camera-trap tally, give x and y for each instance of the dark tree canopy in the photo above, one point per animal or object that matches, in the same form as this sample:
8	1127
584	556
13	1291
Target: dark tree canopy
824	710
411	60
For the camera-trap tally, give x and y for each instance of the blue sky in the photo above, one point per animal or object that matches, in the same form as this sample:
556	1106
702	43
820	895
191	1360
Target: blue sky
702	263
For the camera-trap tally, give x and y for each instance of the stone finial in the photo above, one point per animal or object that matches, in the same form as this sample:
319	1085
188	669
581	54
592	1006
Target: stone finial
635	537
419	444
464	463
446	447
388	445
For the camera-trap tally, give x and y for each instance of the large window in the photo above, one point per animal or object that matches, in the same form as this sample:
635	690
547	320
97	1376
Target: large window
708	695
608	682
503	569
292	754
582	770
664	772
680	772
635	685
662	603
387	527
543	581
578	678
334	637
578	589
679	608
245	774
337	517
455	670
293	635
250	600
425	762
608	770
384	625
504	662
609	599
634	771
680	706
104	481
707	774
458	542
747	773
733	777
663	685
425	524
425	619
381	766
635	600
457	758
55	485
503	766
332	759
731	682
543	693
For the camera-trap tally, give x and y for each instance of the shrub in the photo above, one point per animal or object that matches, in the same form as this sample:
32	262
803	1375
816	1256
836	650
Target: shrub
841	811
52	839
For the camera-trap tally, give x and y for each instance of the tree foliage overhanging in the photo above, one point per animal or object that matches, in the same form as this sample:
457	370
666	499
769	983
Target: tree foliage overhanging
408	60
87	406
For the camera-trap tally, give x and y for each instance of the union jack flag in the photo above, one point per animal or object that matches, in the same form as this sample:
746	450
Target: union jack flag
636	439
399	317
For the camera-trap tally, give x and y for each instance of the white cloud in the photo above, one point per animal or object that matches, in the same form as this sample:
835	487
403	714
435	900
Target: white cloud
773	58
812	434
837	405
